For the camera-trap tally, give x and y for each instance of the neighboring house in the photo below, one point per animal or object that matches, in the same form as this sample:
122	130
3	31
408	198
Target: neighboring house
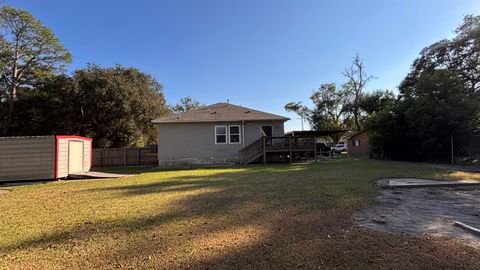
357	143
213	134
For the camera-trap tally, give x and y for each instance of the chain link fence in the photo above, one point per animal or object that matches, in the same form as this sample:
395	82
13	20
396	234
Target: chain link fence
465	149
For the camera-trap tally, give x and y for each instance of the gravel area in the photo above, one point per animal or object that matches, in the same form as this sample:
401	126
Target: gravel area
431	211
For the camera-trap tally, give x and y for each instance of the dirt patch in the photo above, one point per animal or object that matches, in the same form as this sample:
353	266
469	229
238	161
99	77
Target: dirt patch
430	211
4	191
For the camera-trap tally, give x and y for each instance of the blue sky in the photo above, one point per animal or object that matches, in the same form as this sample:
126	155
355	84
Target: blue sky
257	53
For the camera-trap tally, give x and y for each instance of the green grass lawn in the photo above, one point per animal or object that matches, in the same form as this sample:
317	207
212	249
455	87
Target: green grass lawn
261	217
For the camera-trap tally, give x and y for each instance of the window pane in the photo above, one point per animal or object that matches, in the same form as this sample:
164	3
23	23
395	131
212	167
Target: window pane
221	130
234	138
234	130
221	138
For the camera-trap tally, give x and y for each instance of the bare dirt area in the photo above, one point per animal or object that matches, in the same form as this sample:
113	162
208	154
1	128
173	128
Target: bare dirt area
429	211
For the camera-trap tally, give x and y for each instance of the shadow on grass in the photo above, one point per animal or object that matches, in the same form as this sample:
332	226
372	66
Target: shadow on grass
257	217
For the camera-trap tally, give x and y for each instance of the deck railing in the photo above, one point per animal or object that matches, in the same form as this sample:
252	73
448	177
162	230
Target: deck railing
287	143
266	144
252	151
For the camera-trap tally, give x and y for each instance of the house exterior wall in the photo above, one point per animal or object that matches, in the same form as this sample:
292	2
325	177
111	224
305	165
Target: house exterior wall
362	149
27	158
194	143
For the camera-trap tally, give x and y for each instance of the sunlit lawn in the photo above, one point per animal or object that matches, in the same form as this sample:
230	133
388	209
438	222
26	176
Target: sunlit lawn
262	217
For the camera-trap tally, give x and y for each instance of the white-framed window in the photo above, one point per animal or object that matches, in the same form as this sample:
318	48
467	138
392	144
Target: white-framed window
234	134
356	142
220	134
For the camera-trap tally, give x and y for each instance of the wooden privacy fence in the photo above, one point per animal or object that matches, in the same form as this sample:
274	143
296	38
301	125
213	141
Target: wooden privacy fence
123	157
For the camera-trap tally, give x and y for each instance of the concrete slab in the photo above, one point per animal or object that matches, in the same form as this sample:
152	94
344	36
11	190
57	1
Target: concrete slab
421	183
4	191
89	175
425	210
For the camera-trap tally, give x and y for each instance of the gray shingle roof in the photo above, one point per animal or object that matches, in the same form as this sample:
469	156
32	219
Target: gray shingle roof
219	112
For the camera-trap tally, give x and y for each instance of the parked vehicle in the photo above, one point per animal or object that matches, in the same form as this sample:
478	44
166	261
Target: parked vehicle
340	147
323	149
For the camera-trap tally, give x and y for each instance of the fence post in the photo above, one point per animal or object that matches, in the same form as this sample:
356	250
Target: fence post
290	148
124	156
138	156
451	148
315	148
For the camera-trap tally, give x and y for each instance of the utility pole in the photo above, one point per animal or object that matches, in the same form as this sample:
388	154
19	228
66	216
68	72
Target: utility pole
301	118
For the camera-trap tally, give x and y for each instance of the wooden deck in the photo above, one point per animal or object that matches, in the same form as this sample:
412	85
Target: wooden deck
287	145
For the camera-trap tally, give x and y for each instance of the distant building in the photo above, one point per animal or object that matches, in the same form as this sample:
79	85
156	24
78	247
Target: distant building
357	143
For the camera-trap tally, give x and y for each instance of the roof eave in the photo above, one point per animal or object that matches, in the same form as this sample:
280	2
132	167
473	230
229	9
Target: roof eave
217	121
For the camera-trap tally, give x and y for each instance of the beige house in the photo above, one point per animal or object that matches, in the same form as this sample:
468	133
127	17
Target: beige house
213	134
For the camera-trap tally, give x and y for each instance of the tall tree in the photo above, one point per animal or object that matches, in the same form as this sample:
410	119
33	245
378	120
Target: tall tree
28	50
115	106
357	79
185	104
460	54
419	125
331	110
374	101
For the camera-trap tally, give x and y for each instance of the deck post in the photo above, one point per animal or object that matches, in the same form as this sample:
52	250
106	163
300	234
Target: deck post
315	148
290	148
264	150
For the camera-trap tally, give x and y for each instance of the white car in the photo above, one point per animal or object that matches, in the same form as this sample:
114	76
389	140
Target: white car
341	147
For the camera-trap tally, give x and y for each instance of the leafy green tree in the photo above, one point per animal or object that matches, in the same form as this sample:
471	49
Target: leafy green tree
438	99
185	104
419	125
331	110
303	111
28	50
42	110
114	106
460	54
374	101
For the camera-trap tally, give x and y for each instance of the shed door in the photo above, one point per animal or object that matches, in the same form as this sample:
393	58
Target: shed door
75	156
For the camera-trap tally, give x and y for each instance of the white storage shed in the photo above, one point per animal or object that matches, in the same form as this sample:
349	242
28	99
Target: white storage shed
43	157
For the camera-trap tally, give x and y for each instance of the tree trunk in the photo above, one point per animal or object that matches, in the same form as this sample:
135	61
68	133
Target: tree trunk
13	90
357	121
